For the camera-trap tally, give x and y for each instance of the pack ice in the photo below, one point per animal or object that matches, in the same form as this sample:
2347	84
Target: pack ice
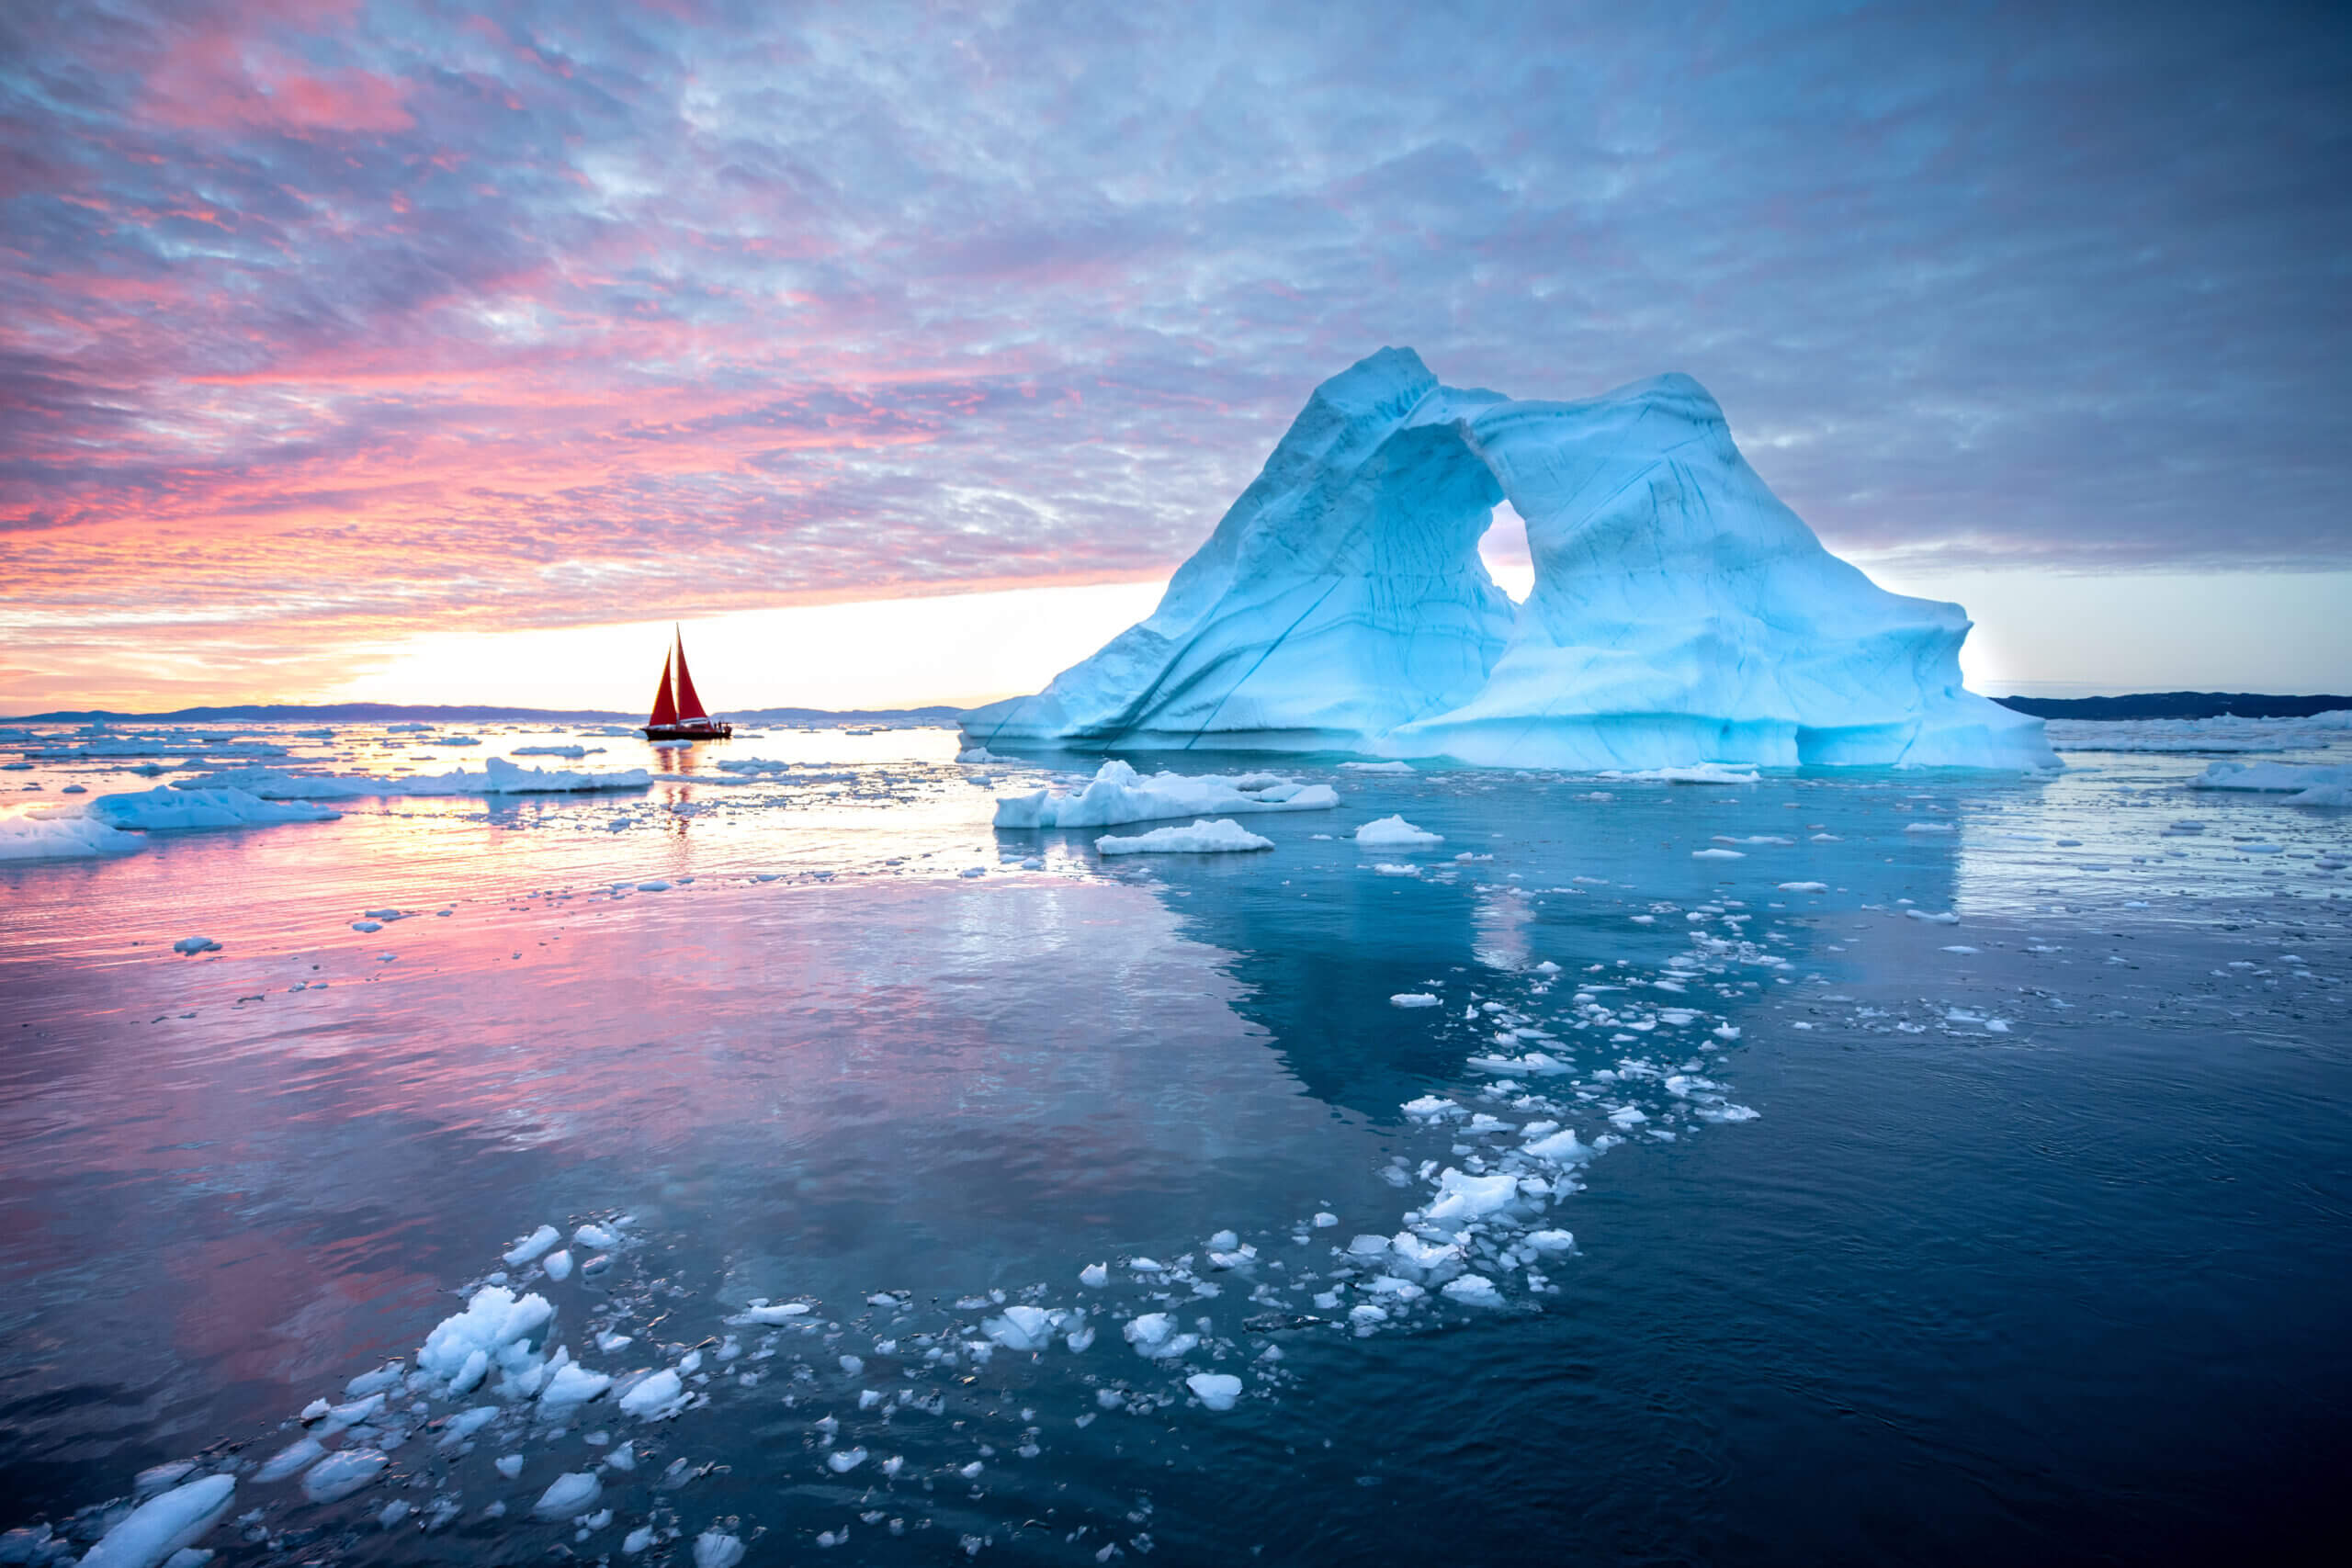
1680	615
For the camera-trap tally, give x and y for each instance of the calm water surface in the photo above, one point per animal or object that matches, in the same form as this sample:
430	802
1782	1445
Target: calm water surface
2038	1244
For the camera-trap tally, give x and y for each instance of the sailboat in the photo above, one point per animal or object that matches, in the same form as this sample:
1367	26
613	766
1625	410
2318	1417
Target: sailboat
677	710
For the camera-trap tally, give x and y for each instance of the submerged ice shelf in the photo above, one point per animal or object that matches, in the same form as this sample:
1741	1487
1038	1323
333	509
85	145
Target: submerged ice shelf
1681	615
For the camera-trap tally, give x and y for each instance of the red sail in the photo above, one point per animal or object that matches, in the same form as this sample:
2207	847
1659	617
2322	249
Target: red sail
665	711
689	705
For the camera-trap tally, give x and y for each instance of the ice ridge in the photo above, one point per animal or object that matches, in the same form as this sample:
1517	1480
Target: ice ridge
1682	614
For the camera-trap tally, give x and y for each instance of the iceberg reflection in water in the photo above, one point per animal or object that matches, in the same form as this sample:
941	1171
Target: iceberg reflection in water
1790	1204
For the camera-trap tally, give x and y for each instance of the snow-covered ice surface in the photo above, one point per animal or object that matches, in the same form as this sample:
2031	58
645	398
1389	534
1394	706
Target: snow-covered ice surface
1682	614
1103	1206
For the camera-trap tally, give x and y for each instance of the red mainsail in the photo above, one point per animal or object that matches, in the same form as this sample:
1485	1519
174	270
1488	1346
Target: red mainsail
665	709
689	705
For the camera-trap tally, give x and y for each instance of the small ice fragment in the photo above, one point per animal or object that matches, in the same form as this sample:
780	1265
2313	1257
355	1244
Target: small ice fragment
623	1458
508	1465
1474	1290
1804	887
293	1457
854	1365
1223	1241
638	1539
532	1245
972	1471
573	1384
559	1265
1412	1000
338	1475
655	1395
394	1512
1094	1275
1215	1389
594	1238
843	1460
892	1465
574	1492
1326	1220
717	1549
1396	833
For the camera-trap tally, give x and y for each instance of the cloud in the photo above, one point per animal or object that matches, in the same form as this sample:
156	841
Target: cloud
342	319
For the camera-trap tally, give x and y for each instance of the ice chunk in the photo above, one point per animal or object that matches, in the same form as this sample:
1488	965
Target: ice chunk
1119	794
1020	1328
62	837
1716	854
1215	1389
1396	833
655	1396
1474	1290
1201	837
1094	1275
165	810
162	1525
531	1245
766	1312
497	1328
338	1475
1154	1334
1412	1000
717	1549
574	1492
1804	887
844	1461
1462	1197
289	1459
508	1465
465	1423
2302	783
1377	767
573	1384
1552	1241
638	1539
195	944
559	1265
1560	1148
595	1238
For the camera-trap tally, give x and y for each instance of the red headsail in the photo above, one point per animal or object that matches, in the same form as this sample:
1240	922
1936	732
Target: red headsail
665	710
689	705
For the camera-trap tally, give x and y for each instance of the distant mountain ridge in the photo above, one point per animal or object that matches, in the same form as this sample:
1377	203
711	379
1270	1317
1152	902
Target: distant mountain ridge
2176	705
374	713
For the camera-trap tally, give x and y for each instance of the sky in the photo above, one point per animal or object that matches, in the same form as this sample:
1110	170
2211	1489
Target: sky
402	349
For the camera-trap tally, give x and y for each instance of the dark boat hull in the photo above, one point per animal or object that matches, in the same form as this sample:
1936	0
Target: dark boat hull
688	732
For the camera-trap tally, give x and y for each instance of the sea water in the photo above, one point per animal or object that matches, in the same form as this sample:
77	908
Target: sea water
1964	1164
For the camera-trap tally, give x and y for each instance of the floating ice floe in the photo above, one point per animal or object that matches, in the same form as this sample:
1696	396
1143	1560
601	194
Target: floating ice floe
1377	767
164	1525
2302	783
1117	794
1698	773
498	776
1218	1391
169	809
62	837
1413	1000
1201	837
1396	833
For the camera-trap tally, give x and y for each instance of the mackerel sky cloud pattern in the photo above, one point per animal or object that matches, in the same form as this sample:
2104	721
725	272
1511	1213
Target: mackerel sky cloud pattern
321	324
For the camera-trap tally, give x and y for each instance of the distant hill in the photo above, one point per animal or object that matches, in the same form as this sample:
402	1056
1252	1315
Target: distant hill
402	713
2176	705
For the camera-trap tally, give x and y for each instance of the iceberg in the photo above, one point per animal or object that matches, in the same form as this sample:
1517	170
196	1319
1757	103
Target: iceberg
1681	615
1117	794
1220	837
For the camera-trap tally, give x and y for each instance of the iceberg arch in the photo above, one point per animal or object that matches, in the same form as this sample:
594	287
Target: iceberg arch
1680	613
